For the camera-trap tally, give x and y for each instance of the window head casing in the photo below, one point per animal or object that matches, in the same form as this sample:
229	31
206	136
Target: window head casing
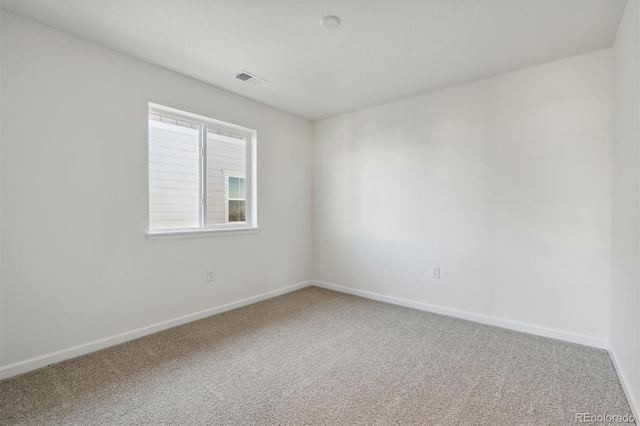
202	174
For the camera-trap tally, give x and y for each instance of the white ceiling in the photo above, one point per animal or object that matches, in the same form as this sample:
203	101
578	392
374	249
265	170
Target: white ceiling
384	50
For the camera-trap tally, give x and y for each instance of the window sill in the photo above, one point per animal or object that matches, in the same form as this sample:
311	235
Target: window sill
195	233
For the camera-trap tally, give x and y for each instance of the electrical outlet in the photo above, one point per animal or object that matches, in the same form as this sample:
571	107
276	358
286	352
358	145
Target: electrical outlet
435	272
211	276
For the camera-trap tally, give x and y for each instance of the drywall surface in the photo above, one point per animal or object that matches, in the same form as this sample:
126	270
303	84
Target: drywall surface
625	259
77	265
504	183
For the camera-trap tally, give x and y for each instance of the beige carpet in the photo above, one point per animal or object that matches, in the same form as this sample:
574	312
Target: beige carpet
316	357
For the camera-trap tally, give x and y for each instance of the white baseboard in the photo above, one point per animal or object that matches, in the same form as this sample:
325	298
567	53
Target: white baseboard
484	319
30	364
632	398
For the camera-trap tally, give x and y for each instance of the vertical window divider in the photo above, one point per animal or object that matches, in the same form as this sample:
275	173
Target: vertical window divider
248	180
203	177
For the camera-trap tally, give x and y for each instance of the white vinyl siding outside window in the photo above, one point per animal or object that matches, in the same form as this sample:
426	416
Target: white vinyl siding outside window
200	174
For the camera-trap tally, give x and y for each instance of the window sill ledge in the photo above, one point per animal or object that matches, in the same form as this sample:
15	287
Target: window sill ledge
197	233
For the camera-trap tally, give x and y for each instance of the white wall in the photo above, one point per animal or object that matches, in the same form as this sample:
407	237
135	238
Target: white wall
505	183
77	265
625	283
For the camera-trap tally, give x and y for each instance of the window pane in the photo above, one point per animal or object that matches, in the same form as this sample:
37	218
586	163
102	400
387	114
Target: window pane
237	211
224	155
234	187
174	183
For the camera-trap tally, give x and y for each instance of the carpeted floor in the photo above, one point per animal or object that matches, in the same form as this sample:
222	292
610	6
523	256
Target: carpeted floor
316	357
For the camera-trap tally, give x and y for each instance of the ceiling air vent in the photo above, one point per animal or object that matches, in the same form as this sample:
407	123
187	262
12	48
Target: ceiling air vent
250	78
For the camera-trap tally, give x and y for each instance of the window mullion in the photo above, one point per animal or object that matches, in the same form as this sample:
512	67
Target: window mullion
203	177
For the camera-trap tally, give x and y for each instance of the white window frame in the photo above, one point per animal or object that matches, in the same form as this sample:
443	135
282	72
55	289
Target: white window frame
207	125
229	174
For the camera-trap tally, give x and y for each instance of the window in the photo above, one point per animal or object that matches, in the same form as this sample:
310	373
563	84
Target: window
200	173
235	197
